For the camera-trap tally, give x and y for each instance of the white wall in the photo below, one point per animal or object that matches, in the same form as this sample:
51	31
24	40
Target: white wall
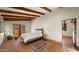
53	22
8	25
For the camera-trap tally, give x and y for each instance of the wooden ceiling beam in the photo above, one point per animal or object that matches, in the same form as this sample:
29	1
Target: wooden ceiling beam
29	10
17	16
9	19
12	12
47	9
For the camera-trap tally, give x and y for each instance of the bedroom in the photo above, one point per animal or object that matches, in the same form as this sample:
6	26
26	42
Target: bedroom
43	23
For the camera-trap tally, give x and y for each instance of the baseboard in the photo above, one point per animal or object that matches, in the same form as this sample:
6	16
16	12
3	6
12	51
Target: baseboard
68	36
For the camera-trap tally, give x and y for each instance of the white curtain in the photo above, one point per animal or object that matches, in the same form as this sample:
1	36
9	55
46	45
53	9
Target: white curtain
1	30
1	38
1	23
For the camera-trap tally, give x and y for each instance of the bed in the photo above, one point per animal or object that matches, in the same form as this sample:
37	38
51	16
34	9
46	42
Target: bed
27	37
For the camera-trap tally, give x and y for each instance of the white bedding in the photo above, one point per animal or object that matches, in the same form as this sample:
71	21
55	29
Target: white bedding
29	36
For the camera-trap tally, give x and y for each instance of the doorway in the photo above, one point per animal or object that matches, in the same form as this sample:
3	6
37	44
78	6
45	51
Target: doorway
18	29
69	32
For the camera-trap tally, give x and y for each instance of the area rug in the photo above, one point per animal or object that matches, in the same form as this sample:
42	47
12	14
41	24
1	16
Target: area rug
39	46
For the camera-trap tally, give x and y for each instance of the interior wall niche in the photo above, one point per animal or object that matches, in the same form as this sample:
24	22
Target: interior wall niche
1	23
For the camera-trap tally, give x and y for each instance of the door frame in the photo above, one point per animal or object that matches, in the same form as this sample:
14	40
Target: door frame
74	31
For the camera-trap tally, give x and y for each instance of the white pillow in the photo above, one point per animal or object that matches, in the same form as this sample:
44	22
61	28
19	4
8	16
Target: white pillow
38	33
